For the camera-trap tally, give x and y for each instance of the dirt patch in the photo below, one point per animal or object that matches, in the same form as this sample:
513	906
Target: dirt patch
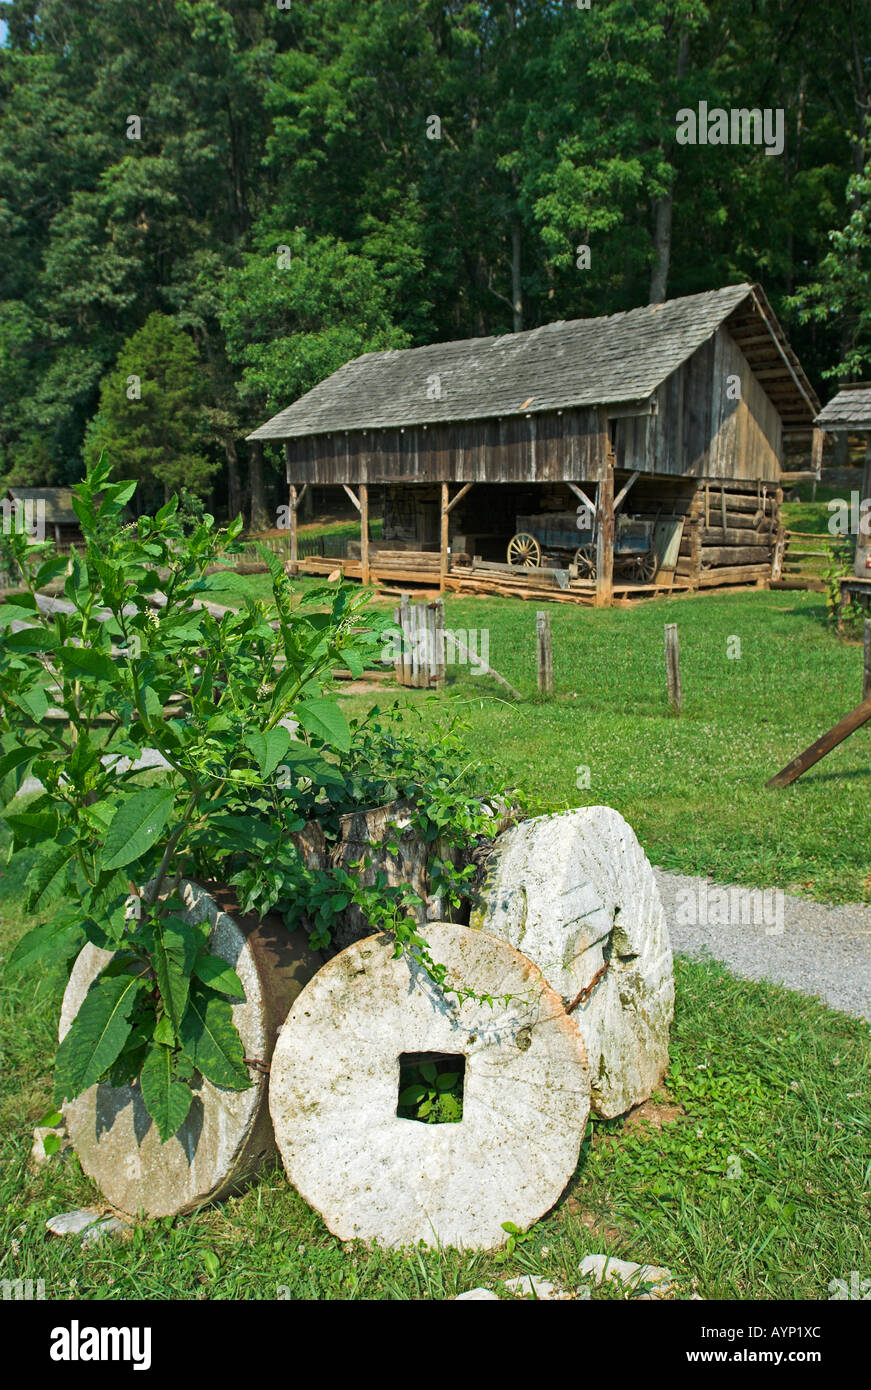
593	1220
653	1113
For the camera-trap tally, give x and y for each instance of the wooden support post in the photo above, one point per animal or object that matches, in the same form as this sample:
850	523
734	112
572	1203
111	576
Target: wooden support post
545	653
843	729
672	668
866	665
364	533
446	511
605	538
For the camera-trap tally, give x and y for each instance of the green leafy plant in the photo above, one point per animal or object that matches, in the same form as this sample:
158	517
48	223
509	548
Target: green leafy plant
432	1094
131	660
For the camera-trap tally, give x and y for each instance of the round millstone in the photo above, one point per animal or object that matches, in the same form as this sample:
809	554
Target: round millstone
574	891
227	1134
335	1087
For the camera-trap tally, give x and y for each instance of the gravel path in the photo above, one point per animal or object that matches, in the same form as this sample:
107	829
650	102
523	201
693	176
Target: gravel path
809	947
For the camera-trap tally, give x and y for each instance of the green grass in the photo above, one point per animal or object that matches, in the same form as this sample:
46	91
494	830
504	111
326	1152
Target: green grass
754	1187
756	1184
691	786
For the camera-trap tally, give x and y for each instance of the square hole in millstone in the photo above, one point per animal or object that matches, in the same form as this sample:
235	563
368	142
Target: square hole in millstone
431	1087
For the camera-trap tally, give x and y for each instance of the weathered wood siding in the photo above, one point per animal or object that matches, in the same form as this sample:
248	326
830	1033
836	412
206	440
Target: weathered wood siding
697	431
559	446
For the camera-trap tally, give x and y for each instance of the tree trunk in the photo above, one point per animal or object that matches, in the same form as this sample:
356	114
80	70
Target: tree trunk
516	286
234	489
662	249
259	520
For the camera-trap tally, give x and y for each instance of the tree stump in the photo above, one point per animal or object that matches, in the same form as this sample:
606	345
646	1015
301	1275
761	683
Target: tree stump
361	836
335	1086
227	1134
576	892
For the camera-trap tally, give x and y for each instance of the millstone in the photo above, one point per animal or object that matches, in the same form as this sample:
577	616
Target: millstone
335	1084
574	891
227	1134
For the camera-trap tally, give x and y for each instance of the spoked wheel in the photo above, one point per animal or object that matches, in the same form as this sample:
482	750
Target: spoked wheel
585	559
644	568
524	550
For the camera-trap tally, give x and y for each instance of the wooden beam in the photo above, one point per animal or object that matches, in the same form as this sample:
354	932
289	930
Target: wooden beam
443	547
672	668
605	538
843	729
352	495
579	492
364	533
460	495
621	495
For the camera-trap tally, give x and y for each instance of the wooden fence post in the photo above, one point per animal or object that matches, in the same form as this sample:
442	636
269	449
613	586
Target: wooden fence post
866	669
438	658
672	667
545	653
364	533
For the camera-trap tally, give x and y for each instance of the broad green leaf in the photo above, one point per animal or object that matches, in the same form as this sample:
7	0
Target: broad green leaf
49	570
269	748
218	975
412	1095
163	1032
324	718
173	956
45	882
51	1144
59	938
136	825
211	1042
16	757
96	1036
83	663
35	700
32	639
51	1119
167	1099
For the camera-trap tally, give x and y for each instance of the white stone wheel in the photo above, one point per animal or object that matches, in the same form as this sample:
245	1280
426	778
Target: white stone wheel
335	1085
227	1134
573	891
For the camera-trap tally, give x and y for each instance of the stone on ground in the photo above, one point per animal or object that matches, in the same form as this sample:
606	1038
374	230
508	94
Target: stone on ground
652	1281
227	1134
88	1223
335	1085
478	1296
574	891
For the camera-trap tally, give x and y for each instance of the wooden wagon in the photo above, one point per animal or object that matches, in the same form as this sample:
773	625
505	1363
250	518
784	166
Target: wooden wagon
561	536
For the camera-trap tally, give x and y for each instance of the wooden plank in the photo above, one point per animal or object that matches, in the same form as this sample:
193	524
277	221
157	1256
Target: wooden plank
364	533
624	491
460	495
353	496
734	554
823	746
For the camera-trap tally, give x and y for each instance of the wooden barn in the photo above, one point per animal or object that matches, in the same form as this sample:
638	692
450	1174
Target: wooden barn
51	508
634	453
849	412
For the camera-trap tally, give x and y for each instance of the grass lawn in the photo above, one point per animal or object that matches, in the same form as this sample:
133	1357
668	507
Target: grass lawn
748	1174
691	786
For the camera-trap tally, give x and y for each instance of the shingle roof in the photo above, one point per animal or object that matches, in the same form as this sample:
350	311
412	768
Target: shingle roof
58	502
849	409
583	362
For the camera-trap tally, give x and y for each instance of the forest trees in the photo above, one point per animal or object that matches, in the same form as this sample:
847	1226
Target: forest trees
150	417
432	167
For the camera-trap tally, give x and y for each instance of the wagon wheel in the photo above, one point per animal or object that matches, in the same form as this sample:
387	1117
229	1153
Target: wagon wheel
585	559
524	550
644	568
